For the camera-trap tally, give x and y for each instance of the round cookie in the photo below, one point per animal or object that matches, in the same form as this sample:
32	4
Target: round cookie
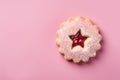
78	39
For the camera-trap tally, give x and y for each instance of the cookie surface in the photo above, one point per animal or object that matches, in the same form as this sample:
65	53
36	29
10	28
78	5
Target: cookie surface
78	39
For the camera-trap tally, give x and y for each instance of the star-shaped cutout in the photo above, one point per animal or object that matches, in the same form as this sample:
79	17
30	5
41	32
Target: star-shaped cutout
78	39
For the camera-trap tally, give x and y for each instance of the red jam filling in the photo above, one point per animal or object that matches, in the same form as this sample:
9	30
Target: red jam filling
78	39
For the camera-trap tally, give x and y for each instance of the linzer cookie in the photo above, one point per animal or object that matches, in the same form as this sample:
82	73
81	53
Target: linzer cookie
78	39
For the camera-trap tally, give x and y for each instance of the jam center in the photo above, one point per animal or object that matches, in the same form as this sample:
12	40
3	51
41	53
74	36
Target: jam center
78	39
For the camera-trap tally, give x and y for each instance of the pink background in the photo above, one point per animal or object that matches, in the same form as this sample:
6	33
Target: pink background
27	35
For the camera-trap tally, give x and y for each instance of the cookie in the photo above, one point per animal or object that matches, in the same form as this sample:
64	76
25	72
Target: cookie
78	39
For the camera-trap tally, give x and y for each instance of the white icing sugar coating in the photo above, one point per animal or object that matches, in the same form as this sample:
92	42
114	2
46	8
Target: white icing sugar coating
91	44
